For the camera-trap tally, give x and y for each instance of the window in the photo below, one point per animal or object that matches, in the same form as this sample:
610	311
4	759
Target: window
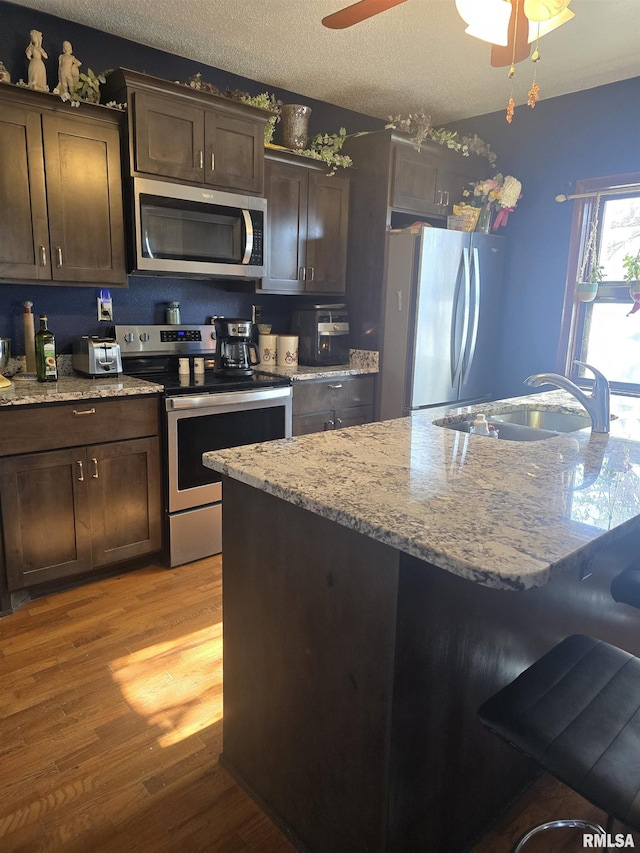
601	332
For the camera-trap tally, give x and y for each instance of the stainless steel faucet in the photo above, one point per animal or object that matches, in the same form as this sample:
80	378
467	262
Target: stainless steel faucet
597	403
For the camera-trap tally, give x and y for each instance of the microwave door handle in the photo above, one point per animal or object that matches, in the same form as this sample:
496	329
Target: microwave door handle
248	227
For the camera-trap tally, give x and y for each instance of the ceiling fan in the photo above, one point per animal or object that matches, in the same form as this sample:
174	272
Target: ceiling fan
358	12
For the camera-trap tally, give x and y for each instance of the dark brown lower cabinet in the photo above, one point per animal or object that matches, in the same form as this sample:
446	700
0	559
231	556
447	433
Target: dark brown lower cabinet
68	511
324	404
89	493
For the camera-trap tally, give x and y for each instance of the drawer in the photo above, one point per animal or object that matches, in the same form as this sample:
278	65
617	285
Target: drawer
315	395
37	428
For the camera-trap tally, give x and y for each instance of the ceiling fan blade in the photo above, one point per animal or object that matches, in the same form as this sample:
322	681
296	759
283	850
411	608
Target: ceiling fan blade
518	28
358	12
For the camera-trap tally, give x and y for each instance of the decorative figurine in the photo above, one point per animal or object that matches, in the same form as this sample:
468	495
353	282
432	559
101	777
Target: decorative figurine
37	73
68	74
5	77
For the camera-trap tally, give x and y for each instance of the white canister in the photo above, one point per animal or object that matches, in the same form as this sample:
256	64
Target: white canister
267	349
287	350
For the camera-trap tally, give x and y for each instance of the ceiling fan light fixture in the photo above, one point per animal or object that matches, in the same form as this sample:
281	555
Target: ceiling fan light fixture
537	29
544	10
488	20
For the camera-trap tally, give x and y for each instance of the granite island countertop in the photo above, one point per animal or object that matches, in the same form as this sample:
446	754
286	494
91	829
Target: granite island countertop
504	514
23	392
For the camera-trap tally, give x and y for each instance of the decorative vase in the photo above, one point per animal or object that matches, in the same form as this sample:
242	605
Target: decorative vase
587	290
295	123
483	224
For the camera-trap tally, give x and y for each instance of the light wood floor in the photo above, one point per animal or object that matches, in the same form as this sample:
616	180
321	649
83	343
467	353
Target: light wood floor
111	726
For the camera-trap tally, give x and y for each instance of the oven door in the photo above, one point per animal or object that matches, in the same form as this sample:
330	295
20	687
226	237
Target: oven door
197	424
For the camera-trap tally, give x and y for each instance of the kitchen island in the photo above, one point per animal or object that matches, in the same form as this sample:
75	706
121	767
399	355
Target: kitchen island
379	584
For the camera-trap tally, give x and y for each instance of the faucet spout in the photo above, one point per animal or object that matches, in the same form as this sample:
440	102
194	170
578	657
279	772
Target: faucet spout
597	404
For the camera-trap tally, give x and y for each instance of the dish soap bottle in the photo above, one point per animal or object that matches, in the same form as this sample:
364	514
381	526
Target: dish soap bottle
481	427
46	367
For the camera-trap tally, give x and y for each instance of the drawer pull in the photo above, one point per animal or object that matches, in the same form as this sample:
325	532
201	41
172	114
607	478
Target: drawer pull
95	467
91	411
80	471
336	386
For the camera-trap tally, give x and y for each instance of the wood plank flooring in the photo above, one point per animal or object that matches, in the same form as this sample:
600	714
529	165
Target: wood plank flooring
111	726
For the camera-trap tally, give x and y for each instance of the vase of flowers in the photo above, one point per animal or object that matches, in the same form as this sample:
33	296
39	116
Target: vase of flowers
497	198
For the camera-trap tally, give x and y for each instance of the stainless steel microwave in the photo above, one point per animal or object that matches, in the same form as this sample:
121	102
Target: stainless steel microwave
197	232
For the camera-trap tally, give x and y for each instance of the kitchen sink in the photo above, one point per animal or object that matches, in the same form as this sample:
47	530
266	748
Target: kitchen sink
541	419
528	424
506	431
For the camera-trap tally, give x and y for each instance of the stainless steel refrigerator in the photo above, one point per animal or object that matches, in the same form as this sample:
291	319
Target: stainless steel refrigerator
440	324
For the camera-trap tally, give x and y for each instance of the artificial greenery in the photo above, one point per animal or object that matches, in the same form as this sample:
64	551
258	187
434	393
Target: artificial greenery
265	101
631	264
596	274
327	148
420	128
88	88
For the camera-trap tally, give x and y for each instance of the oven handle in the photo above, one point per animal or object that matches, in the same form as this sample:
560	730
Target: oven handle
211	401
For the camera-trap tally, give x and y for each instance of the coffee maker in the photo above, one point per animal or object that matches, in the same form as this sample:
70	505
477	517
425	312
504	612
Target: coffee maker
236	353
323	333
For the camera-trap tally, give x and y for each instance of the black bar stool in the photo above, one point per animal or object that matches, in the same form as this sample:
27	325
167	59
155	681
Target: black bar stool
625	587
576	712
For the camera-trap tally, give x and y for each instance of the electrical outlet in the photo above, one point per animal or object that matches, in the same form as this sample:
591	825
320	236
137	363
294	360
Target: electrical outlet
105	309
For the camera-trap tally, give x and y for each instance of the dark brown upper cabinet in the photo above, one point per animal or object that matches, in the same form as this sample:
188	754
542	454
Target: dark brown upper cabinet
60	191
188	135
308	227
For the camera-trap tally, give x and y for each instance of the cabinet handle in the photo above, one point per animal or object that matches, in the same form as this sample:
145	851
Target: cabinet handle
338	423
213	161
95	468
302	274
330	424
59	256
446	198
312	273
91	411
80	471
43	256
439	197
201	159
337	385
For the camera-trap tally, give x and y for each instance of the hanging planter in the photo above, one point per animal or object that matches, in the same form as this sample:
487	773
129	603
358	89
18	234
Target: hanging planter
591	272
631	264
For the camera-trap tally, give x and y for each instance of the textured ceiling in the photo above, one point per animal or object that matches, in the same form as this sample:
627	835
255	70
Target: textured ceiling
414	56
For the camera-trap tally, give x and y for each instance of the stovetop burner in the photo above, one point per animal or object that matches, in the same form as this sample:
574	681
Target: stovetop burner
210	382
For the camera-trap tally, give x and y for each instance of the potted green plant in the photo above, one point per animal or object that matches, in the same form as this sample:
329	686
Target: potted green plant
631	264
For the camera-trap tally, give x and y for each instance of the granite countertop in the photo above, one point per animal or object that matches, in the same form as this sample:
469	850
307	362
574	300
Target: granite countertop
504	514
24	392
360	362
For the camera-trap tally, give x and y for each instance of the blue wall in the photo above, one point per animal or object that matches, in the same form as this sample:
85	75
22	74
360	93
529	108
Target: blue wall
583	135
72	310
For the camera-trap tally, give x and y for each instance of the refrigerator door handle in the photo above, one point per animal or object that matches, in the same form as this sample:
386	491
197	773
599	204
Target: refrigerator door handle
457	356
470	347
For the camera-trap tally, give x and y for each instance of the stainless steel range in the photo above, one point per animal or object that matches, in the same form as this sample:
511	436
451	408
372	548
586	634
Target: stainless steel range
204	411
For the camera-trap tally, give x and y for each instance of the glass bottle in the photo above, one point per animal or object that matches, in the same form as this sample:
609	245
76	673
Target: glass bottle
46	368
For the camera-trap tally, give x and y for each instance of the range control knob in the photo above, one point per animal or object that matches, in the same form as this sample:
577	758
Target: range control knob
144	337
129	337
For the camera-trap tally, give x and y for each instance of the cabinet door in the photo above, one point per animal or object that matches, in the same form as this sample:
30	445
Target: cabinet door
415	182
453	184
45	516
124	497
353	416
316	422
327	232
234	153
84	198
24	234
286	189
168	137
